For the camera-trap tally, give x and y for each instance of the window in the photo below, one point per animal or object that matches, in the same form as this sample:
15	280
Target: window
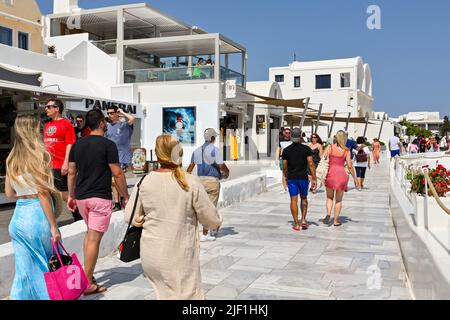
23	40
345	80
323	81
296	82
279	78
6	36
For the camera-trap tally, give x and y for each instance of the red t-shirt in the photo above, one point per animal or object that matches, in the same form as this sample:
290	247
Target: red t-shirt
86	131
57	136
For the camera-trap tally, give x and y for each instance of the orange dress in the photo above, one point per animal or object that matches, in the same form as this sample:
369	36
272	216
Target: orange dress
376	147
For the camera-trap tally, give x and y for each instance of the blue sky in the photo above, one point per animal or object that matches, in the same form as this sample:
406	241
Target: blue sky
409	56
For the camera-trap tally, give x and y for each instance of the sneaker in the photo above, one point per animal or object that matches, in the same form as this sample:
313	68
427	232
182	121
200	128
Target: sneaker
208	237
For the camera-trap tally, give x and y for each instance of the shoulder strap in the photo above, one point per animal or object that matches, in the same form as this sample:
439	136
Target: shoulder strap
135	202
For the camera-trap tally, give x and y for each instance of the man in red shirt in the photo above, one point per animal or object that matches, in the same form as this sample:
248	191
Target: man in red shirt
59	136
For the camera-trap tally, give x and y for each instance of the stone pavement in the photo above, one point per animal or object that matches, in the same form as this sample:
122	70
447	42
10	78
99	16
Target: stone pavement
257	255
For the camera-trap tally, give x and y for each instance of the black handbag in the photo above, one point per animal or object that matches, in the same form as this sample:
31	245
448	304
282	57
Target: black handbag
130	247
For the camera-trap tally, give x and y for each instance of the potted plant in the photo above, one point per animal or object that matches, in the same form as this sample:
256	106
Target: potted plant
434	217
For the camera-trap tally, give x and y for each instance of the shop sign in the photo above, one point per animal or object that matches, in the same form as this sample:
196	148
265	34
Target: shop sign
230	89
104	105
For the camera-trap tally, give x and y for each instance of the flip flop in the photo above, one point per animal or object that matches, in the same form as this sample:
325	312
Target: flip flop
326	220
337	224
304	226
98	289
296	228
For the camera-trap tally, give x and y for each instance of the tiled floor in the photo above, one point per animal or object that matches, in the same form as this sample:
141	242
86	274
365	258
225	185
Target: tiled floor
258	256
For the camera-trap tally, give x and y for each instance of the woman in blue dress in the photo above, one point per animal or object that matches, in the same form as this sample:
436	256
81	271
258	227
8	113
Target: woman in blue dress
29	180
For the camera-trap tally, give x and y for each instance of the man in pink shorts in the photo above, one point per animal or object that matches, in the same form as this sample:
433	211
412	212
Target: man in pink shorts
93	161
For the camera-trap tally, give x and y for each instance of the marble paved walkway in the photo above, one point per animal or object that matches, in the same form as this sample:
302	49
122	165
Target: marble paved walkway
257	255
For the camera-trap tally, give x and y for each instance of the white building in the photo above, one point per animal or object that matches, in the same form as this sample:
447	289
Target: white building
426	120
344	85
143	60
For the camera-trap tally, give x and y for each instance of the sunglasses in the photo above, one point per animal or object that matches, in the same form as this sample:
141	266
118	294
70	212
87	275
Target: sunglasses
314	138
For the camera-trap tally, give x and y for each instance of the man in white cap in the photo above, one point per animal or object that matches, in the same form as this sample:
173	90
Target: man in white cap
210	169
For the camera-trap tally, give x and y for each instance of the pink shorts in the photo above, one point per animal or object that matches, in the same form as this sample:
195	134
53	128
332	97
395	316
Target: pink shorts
96	212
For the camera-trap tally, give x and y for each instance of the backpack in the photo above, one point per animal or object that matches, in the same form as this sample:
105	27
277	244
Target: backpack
361	156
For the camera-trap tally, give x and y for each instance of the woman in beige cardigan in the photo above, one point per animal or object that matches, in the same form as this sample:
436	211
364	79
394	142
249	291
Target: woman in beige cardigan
169	208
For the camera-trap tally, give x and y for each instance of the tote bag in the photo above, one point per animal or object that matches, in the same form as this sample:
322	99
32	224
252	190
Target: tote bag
68	282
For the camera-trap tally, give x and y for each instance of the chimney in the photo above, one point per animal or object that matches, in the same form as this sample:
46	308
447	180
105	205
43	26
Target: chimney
64	6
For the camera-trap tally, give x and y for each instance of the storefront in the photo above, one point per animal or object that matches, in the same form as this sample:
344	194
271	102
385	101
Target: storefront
18	98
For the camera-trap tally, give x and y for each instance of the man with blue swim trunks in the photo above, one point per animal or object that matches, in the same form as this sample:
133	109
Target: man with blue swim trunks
296	159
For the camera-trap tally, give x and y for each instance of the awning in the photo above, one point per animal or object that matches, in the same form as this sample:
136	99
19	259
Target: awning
74	101
32	90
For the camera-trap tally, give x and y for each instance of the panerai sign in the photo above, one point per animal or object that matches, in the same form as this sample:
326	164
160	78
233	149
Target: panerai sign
104	105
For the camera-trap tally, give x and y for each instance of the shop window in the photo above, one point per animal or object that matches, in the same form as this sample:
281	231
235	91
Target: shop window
6	36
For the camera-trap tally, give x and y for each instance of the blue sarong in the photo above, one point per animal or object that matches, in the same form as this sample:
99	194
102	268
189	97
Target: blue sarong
32	242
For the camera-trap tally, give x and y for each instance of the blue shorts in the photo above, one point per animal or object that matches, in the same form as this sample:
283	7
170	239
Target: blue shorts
395	153
297	187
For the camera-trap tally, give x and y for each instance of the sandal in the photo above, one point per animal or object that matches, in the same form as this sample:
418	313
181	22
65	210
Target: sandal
337	224
326	220
296	228
98	289
304	226
94	281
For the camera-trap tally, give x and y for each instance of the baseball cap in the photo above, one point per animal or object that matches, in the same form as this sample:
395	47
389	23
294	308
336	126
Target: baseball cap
209	133
296	135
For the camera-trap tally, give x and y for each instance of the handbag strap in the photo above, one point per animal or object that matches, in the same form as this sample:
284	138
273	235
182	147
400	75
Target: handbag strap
135	203
55	248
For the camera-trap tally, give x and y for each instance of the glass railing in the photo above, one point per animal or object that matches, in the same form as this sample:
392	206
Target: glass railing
107	46
180	74
228	74
169	74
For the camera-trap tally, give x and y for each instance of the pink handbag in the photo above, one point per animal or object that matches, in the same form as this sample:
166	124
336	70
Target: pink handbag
68	282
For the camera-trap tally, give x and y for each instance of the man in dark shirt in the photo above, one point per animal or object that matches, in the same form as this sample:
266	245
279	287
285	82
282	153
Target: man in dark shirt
93	161
296	159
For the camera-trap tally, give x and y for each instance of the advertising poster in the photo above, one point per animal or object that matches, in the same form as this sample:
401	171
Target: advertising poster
180	122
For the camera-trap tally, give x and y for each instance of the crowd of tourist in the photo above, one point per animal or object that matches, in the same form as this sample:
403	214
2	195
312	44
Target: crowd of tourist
86	163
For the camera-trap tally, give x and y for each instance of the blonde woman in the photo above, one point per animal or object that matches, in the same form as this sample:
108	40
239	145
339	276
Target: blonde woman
29	180
337	180
170	206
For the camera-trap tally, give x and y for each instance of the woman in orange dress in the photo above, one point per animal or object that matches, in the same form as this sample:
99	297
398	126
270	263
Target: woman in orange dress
376	147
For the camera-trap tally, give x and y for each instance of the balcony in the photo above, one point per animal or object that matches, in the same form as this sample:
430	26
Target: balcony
169	74
181	74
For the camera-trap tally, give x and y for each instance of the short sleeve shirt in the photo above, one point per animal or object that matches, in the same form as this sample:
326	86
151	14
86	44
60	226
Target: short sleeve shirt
57	136
296	156
121	132
205	157
92	156
393	142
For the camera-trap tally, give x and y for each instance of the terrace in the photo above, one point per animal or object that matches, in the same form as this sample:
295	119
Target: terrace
155	47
